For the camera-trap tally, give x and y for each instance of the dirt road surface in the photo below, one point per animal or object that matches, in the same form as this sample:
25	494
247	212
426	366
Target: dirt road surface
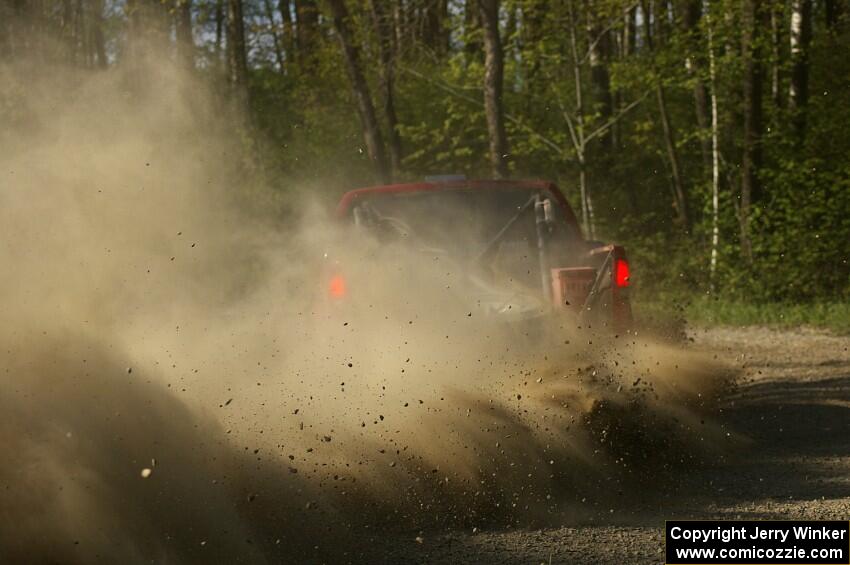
791	410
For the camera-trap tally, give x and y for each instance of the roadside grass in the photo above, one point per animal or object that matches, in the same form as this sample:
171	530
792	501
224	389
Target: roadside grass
668	316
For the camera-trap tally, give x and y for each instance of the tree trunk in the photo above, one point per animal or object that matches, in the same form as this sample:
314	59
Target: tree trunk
236	58
702	113
183	32
681	200
600	80
81	39
400	24
751	150
219	32
579	143
630	31
800	37
775	52
531	33
626	48
384	29
371	131
715	157
67	30
435	33
509	35
694	65
679	195
307	16
98	41
273	31
237	66
150	22
471	30
493	74
130	53
645	17
289	40
832	14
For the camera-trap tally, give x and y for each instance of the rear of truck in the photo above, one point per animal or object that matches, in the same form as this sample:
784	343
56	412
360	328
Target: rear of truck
514	247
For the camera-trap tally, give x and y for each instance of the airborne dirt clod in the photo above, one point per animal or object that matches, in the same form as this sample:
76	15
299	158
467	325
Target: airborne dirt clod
277	431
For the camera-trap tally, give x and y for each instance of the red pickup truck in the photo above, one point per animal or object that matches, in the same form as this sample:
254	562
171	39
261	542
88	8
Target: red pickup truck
516	245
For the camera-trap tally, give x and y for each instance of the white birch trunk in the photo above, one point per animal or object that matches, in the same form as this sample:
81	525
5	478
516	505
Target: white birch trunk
715	156
795	39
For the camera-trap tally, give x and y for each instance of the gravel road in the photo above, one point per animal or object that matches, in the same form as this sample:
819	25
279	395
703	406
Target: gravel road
791	412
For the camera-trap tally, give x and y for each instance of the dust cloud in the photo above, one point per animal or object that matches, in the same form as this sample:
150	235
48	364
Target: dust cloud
176	388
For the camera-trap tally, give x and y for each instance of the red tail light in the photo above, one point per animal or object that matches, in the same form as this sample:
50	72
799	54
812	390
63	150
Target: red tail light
337	288
621	273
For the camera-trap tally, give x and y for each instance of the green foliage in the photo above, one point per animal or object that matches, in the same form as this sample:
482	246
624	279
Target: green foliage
304	129
804	233
442	120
